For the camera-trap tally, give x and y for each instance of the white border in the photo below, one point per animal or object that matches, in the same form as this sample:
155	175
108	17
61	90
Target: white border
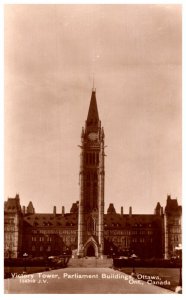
84	296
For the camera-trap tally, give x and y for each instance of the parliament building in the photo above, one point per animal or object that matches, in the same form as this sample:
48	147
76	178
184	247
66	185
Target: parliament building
87	230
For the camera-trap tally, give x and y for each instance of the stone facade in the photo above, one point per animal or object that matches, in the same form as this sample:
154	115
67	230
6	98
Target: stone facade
92	173
147	235
13	219
86	229
172	225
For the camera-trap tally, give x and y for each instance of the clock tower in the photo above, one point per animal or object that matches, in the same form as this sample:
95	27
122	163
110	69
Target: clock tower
91	180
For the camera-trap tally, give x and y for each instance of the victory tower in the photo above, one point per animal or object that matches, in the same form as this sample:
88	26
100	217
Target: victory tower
92	177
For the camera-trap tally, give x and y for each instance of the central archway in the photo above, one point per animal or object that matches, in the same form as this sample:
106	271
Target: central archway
90	250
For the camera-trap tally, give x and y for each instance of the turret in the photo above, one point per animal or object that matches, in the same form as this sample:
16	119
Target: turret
157	210
23	209
172	226
111	209
30	208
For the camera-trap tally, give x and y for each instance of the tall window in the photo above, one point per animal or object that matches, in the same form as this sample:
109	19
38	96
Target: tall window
86	158
33	248
95	195
95	176
90	158
97	158
91	225
48	248
49	238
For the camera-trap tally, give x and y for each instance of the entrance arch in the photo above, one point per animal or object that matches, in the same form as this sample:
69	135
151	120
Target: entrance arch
90	250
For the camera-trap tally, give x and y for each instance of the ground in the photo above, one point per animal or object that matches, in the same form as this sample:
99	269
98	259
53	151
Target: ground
80	281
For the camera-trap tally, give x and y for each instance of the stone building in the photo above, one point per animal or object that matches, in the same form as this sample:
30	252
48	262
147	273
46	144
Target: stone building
87	229
13	221
172	225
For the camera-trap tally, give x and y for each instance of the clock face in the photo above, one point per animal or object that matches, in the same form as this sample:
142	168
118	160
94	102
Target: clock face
92	136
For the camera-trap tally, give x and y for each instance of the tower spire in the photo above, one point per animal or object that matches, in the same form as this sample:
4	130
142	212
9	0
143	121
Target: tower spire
93	116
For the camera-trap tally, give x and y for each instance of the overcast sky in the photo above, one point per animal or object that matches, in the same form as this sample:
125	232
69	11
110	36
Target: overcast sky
51	53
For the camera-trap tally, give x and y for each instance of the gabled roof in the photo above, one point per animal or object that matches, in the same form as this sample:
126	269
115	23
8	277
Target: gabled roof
42	220
158	206
111	220
114	220
172	205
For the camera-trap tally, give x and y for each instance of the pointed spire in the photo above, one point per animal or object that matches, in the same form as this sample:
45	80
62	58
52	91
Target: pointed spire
93	116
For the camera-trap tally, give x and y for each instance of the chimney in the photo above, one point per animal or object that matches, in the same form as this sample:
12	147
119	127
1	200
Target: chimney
122	210
23	209
54	210
63	211
130	211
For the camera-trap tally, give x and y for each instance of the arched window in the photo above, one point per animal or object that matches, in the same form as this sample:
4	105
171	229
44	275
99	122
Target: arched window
97	158
91	225
90	158
48	248
33	248
95	176
95	195
86	158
